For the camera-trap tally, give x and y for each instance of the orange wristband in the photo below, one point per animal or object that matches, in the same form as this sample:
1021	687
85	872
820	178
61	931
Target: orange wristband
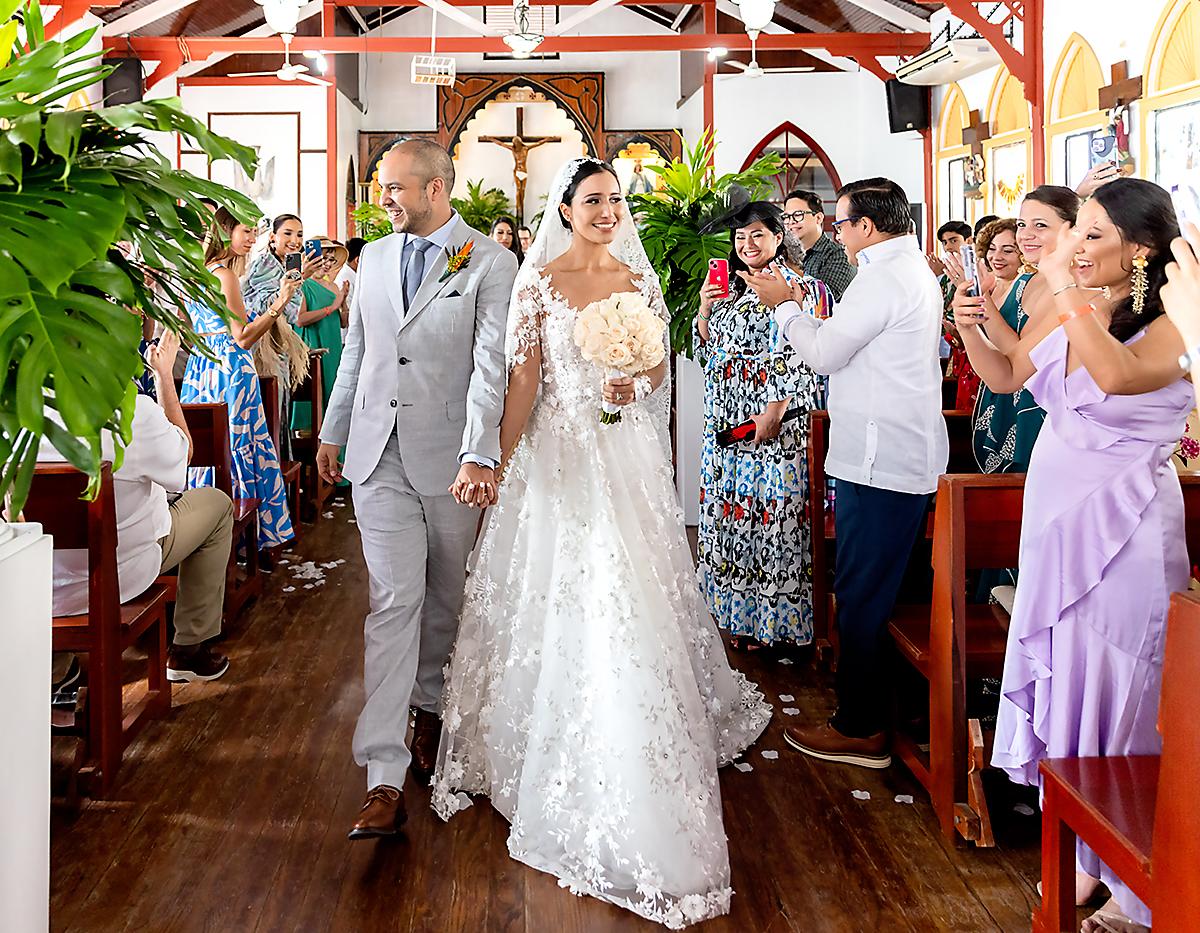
1081	311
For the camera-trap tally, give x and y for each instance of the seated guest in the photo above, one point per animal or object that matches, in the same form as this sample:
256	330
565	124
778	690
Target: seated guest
504	232
804	214
753	539
887	445
232	379
1102	538
157	533
953	236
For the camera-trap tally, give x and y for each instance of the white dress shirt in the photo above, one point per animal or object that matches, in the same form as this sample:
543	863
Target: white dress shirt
880	351
155	462
347	274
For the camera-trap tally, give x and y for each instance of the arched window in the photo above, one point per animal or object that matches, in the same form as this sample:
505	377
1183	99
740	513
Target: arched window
1007	152
951	186
1171	125
1075	114
805	165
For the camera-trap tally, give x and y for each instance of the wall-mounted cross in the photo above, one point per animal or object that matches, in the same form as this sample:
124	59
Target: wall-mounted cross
976	132
1123	91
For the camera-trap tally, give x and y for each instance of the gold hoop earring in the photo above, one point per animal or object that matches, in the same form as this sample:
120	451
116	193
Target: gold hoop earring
1139	284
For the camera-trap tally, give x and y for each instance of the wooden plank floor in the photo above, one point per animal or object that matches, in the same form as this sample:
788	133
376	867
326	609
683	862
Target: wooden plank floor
232	814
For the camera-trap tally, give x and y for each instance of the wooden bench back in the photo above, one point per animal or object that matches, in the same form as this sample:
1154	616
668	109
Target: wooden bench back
312	390
977	522
1190	483
269	387
56	502
208	423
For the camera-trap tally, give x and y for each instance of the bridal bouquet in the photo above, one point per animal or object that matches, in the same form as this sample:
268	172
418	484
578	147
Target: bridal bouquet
622	335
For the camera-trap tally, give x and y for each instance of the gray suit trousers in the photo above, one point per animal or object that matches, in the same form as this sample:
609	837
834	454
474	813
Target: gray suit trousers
416	548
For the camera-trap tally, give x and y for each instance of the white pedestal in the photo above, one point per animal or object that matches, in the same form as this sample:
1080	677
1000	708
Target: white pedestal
25	587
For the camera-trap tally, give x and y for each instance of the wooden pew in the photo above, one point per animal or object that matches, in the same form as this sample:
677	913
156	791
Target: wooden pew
305	443
208	424
1138	814
289	469
962	460
977	525
108	627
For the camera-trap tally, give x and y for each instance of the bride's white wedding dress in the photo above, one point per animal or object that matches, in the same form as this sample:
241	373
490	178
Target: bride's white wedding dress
589	695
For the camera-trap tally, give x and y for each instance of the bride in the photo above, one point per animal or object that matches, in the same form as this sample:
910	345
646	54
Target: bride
589	695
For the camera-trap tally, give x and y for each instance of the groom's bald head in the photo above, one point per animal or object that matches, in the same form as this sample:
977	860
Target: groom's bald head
416	176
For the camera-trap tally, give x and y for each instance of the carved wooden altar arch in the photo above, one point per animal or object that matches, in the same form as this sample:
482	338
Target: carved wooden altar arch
785	180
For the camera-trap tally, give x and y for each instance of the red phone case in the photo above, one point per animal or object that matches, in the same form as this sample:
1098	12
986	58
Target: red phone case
718	274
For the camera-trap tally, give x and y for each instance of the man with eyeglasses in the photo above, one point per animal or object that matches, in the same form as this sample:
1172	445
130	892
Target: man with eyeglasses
887	445
804	216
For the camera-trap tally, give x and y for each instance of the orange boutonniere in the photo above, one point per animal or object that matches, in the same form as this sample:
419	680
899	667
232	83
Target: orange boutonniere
459	259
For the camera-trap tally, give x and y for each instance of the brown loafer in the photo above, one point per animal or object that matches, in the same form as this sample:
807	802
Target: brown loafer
826	743
382	813
427	732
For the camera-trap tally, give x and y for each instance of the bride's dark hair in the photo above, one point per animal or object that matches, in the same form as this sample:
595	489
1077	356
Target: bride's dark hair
585	171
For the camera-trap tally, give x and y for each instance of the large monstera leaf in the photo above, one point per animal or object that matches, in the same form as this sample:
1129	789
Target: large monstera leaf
73	184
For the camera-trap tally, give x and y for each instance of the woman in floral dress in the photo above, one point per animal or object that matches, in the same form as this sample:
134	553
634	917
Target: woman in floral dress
754	559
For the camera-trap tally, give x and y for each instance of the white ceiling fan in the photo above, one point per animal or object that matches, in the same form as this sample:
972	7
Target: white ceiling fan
523	37
755	70
289	70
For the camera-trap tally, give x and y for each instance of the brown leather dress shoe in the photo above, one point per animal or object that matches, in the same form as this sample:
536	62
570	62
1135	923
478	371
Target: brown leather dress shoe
826	743
427	732
382	813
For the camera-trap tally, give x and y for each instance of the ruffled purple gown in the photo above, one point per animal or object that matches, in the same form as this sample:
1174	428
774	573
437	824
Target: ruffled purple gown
1102	549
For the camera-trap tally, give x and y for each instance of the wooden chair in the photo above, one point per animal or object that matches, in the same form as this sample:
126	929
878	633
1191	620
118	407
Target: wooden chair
977	525
290	469
962	460
305	443
109	626
1138	814
208	424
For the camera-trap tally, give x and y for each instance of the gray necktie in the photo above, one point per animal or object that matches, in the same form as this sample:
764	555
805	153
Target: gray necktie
414	270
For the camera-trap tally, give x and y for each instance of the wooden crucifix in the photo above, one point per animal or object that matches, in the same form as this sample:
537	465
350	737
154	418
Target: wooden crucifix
519	145
976	132
1115	100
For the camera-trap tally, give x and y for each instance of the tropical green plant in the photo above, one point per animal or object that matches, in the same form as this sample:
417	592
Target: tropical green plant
371	221
73	183
481	208
670	222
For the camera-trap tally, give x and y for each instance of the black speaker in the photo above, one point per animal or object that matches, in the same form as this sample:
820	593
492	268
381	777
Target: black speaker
124	85
908	106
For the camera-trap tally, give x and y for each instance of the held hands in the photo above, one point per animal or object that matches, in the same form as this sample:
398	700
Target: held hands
1181	295
475	486
328	466
620	391
771	287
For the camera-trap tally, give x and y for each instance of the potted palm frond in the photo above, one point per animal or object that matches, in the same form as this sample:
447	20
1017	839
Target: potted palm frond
671	222
73	183
480	208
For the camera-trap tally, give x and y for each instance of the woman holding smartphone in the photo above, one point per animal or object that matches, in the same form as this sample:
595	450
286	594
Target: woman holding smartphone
231	378
321	323
755	568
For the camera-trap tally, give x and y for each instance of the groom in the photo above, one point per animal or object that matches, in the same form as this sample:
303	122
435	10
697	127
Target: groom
417	405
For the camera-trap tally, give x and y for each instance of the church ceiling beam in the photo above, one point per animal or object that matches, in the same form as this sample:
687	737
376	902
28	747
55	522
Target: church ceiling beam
144	16
72	11
852	44
893	14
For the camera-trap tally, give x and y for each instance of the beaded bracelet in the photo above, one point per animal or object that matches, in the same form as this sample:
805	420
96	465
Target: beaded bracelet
1076	312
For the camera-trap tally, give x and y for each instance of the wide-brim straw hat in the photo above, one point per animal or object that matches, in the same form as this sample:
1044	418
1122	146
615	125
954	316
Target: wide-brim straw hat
340	253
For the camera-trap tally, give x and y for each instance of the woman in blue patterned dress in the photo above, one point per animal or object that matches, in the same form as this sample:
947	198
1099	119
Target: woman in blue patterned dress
231	379
754	559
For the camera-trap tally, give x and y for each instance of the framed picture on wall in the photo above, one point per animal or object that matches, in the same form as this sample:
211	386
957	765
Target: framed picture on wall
1077	156
1176	143
1010	180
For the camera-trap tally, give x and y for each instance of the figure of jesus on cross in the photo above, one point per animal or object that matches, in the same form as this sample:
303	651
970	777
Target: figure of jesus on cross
519	145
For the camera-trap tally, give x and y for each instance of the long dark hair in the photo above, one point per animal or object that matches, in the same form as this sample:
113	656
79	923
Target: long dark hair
585	171
1143	214
515	246
771	218
276	224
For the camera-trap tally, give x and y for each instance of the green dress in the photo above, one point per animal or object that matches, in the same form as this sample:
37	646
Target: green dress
1007	424
327	334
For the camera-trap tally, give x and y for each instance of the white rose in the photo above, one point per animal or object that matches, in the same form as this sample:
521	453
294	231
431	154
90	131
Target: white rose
616	356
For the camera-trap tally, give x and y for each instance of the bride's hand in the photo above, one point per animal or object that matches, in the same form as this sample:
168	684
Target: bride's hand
619	391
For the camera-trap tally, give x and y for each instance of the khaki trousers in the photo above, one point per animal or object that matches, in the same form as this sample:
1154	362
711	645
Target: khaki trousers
198	544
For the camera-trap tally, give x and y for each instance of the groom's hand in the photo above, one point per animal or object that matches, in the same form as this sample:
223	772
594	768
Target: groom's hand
327	463
475	486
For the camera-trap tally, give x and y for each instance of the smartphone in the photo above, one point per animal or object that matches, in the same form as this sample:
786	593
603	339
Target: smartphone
718	274
970	269
1186	196
293	263
312	249
1104	149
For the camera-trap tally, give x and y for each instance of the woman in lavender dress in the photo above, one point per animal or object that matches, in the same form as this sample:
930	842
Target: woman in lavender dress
1102	538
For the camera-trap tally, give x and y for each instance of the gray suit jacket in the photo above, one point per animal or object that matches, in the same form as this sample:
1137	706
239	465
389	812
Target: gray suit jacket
436	377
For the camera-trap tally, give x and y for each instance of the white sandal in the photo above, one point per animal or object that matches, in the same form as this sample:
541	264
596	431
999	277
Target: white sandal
1111	919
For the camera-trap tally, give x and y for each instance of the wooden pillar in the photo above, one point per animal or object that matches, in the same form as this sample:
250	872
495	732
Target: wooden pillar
333	223
1037	74
710	66
930	193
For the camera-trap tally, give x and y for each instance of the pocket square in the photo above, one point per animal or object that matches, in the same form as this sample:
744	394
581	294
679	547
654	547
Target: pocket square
453	293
